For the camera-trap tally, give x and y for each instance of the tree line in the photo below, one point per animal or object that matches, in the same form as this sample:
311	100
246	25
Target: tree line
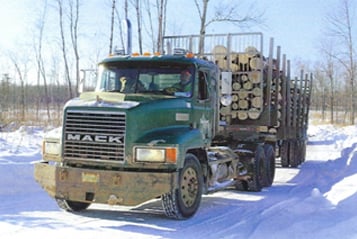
334	88
38	79
37	104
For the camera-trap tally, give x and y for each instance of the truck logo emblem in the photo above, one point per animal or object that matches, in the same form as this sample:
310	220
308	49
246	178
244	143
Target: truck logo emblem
95	138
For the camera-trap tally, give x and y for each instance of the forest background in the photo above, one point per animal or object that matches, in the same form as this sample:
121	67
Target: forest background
40	66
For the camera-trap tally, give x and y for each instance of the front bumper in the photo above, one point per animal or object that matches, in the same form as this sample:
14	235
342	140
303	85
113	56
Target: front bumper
103	186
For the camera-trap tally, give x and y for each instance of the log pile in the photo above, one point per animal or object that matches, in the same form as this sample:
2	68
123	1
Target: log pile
247	82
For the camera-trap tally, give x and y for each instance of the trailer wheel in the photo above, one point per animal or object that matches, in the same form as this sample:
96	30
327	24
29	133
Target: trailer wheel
72	206
270	161
184	201
294	154
258	180
303	150
284	154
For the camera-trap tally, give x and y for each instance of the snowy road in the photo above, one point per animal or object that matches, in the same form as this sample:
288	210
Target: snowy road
319	200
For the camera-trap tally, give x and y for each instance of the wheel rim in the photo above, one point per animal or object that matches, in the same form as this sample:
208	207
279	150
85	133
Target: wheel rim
189	187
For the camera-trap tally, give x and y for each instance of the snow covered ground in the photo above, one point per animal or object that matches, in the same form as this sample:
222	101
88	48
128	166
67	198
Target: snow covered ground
318	200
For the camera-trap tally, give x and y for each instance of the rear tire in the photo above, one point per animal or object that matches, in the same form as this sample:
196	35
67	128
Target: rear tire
259	171
294	154
284	154
303	150
183	202
270	161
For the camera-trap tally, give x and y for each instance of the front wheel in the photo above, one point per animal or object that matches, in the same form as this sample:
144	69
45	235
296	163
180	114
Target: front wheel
183	202
72	206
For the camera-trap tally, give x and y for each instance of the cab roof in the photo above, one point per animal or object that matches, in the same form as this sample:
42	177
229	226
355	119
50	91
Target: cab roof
159	58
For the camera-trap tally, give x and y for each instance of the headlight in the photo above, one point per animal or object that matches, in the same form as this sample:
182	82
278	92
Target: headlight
51	150
156	155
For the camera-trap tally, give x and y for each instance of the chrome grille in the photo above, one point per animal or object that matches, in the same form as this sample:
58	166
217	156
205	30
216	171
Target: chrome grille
92	135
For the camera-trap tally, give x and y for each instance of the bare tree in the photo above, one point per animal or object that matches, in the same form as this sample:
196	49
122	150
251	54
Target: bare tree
328	68
330	71
224	13
126	9
341	28
318	99
4	96
137	6
21	71
161	12
74	18
112	28
157	19
120	20
40	62
63	45
150	27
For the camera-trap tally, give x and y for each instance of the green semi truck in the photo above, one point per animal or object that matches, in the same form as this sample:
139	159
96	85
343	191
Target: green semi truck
208	113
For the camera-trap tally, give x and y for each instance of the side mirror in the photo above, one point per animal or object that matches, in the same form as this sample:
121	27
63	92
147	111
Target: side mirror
226	88
82	86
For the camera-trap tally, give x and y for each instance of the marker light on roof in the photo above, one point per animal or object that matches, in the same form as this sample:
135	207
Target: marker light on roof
190	55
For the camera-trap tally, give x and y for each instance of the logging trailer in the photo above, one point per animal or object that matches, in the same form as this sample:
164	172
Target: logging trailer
207	113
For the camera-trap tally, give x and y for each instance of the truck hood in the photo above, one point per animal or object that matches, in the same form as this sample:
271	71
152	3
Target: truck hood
112	99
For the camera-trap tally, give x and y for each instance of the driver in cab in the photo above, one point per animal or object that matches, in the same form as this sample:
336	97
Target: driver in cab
184	85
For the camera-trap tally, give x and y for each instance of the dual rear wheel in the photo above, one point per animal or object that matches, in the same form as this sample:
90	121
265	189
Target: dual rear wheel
292	153
262	169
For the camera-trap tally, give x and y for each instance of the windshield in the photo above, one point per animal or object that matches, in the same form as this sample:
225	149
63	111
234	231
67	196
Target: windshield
147	78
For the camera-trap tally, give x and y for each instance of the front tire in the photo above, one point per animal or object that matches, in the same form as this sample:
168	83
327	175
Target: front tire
72	206
183	202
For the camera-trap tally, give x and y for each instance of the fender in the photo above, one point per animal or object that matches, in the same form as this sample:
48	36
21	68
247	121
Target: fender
183	137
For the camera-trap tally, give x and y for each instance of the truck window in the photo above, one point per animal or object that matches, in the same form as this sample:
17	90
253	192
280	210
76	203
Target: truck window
146	79
108	80
202	86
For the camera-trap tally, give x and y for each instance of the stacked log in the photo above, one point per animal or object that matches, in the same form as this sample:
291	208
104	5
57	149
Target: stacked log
247	82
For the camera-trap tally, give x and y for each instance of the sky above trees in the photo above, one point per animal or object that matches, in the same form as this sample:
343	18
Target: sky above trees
296	25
